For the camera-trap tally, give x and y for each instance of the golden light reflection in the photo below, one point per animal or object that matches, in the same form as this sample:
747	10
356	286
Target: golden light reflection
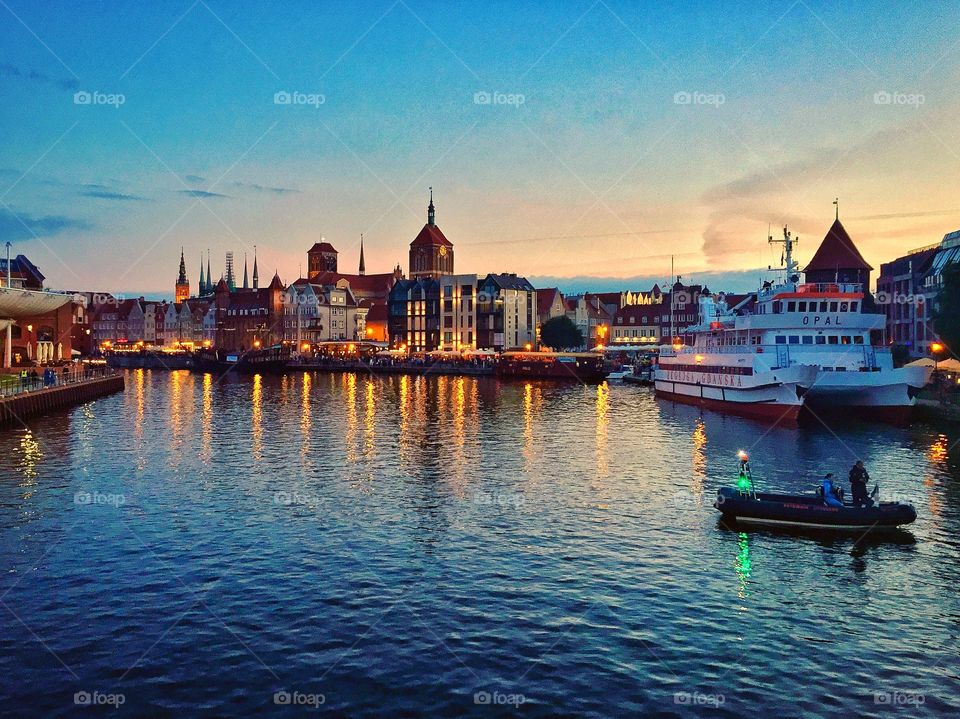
176	398
458	460
370	422
350	384
938	450
699	474
140	397
603	409
256	419
528	453
404	409
305	419
206	425
30	456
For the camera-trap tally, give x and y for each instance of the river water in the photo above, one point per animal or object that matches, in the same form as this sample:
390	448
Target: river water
402	546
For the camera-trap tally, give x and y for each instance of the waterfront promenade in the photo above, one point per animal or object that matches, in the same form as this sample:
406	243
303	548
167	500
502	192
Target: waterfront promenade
36	392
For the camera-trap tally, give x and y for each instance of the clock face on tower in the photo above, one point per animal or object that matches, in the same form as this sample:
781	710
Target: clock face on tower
443	251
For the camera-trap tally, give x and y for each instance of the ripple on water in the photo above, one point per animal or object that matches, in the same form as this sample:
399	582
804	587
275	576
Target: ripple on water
400	544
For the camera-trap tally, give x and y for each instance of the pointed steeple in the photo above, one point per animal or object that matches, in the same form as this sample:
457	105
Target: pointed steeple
182	277
246	281
202	287
209	274
256	275
363	267
431	211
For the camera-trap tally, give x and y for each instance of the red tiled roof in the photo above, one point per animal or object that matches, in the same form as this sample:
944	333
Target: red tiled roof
837	252
431	236
362	283
322	247
545	298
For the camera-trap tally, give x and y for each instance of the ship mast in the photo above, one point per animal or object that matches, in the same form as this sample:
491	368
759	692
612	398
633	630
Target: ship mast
792	266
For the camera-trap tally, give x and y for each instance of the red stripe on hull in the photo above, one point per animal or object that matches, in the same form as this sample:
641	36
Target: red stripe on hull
778	413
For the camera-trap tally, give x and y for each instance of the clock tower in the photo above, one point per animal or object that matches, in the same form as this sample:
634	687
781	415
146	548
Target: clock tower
431	254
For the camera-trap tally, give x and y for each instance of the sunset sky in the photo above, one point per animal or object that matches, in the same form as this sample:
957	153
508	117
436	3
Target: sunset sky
616	134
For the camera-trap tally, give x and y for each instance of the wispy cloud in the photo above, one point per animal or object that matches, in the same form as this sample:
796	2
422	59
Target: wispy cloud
264	188
194	179
111	195
7	70
20	226
201	193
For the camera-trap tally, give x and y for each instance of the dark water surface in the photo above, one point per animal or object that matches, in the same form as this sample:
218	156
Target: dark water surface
402	546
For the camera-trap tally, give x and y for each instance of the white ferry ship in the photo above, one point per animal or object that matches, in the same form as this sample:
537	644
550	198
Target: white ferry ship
800	343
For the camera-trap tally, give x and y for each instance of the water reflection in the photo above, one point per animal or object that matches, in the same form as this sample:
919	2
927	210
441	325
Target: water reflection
256	418
206	426
603	409
305	418
30	457
743	565
699	465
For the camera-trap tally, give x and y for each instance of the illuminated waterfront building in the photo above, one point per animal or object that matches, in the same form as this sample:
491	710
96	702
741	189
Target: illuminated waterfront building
506	312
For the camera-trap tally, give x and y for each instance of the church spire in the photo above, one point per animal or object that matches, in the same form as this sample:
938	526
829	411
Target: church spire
209	275
431	211
246	282
363	267
202	287
182	277
256	275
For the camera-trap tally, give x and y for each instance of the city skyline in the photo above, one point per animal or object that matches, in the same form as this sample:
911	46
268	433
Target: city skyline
579	146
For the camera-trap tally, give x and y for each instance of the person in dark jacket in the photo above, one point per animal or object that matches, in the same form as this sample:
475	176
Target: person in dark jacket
858	485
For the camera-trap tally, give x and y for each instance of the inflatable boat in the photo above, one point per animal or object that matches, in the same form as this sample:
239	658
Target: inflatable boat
748	507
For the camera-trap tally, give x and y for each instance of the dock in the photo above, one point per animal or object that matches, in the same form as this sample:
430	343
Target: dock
20	402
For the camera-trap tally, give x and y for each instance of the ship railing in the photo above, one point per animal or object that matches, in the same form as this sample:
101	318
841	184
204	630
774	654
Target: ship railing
830	287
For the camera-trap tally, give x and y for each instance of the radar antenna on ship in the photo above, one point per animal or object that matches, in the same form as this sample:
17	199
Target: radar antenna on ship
791	266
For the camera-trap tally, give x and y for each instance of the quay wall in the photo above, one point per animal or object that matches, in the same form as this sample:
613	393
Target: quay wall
21	407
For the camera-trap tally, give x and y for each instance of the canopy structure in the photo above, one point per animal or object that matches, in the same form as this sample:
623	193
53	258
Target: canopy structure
18	304
922	362
949	365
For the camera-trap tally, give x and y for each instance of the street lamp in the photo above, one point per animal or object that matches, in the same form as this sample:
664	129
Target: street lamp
935	349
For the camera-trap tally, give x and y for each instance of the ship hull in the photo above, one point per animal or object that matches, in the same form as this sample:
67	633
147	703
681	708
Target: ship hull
887	395
772	396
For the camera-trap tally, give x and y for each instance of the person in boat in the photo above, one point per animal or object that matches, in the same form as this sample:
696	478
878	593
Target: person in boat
858	485
831	493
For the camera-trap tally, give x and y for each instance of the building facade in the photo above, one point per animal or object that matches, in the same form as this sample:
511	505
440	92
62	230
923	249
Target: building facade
506	313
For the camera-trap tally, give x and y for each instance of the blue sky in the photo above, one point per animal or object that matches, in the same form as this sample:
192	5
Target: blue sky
622	134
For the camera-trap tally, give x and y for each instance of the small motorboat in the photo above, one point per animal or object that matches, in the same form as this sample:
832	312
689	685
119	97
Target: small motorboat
825	510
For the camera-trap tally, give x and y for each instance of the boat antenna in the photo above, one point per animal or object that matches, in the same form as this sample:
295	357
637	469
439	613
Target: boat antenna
788	241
